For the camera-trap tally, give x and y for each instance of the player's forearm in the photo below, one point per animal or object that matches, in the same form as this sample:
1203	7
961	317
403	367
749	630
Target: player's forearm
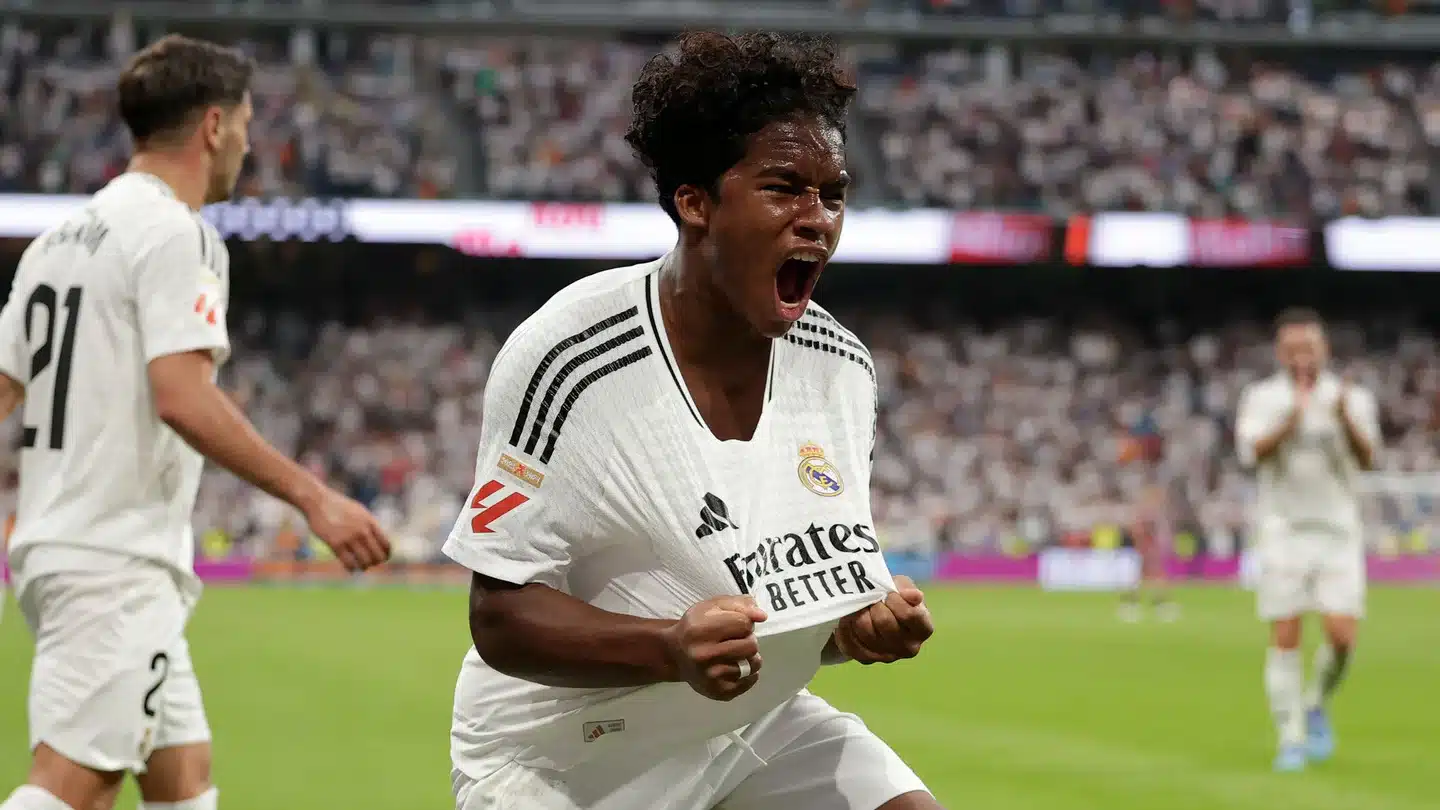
539	634
1266	446
12	393
1359	445
211	423
832	655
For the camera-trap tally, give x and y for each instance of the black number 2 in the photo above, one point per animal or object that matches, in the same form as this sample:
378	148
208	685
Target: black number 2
45	297
160	662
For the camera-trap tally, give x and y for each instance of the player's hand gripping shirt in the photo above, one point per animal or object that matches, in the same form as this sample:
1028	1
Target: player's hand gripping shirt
132	276
597	476
1309	484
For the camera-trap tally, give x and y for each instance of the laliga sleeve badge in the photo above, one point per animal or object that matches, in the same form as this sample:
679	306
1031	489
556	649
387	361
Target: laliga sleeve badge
817	473
521	470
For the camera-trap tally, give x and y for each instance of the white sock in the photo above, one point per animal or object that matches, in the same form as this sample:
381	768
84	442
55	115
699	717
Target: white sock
208	800
1329	671
29	797
1285	685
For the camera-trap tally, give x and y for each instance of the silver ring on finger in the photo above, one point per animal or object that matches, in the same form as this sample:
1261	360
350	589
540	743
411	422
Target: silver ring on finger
744	668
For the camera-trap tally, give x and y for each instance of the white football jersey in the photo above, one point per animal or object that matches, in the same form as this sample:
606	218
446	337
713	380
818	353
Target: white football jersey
133	275
597	476
1310	484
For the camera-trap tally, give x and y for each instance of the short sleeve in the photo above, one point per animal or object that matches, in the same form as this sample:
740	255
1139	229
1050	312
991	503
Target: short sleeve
531	511
1251	425
12	338
179	293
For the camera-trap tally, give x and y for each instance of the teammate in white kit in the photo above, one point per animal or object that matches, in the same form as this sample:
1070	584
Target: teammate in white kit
110	338
1308	434
673	481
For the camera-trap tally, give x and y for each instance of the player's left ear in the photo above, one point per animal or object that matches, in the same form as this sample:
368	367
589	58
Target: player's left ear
694	205
212	127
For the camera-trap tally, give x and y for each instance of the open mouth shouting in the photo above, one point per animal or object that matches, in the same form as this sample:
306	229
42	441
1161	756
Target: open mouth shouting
795	281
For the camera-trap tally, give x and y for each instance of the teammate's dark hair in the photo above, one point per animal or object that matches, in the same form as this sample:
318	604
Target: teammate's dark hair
173	79
695	110
1298	316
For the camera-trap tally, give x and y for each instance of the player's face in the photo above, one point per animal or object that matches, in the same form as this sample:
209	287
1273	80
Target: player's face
1302	350
777	221
230	145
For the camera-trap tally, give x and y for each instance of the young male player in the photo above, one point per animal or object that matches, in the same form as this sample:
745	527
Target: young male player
1308	434
673	481
110	338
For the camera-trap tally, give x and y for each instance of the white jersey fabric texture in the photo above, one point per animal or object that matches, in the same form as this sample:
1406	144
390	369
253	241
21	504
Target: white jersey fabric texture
103	549
1306	526
131	276
597	476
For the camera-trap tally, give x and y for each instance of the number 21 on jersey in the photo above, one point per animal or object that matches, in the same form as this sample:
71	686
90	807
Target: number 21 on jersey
42	313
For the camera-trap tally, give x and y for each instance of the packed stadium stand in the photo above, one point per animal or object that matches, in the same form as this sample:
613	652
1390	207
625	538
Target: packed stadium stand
1294	136
995	433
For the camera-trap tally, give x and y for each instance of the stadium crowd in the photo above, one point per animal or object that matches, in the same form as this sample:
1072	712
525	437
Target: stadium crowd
1206	133
991	440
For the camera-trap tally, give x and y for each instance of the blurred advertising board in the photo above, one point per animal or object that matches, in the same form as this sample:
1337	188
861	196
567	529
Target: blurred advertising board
1152	239
993	238
1395	244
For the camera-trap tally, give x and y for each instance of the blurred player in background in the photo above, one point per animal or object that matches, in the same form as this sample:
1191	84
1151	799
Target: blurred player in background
674	477
109	345
1152	532
1308	434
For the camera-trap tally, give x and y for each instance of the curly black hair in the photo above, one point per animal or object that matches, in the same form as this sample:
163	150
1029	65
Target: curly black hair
695	110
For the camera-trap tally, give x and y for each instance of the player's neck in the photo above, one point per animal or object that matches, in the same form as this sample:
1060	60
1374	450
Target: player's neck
188	182
704	330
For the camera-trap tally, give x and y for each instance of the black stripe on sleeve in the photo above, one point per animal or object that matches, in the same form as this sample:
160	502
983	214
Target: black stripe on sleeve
586	382
549	358
829	347
564	373
204	242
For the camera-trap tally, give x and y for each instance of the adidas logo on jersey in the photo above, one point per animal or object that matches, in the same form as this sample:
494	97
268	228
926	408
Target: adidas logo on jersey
714	517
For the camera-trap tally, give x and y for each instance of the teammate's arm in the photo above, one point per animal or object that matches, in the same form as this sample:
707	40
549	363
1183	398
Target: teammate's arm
12	393
1255	441
192	405
1359	421
179	300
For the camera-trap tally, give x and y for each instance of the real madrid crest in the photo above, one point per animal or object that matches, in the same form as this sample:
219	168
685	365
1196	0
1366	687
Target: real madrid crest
817	473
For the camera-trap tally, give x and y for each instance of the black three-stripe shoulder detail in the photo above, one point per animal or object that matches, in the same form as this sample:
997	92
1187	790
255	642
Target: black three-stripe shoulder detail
835	348
565	371
550	357
655	329
828	328
585	382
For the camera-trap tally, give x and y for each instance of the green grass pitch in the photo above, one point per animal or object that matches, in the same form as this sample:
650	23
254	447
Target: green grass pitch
336	698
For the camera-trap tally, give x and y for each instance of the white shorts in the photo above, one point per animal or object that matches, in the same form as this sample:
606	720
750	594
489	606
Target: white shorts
806	755
1308	573
112	679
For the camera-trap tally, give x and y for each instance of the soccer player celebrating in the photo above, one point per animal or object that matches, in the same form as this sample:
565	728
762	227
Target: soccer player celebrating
109	343
673	481
1308	434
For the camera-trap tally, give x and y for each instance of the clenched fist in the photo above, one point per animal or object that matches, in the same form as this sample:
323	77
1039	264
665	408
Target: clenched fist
713	646
887	631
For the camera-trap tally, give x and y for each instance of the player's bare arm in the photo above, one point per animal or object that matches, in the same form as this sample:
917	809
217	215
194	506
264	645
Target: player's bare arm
1355	438
187	399
12	393
540	634
1268	444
